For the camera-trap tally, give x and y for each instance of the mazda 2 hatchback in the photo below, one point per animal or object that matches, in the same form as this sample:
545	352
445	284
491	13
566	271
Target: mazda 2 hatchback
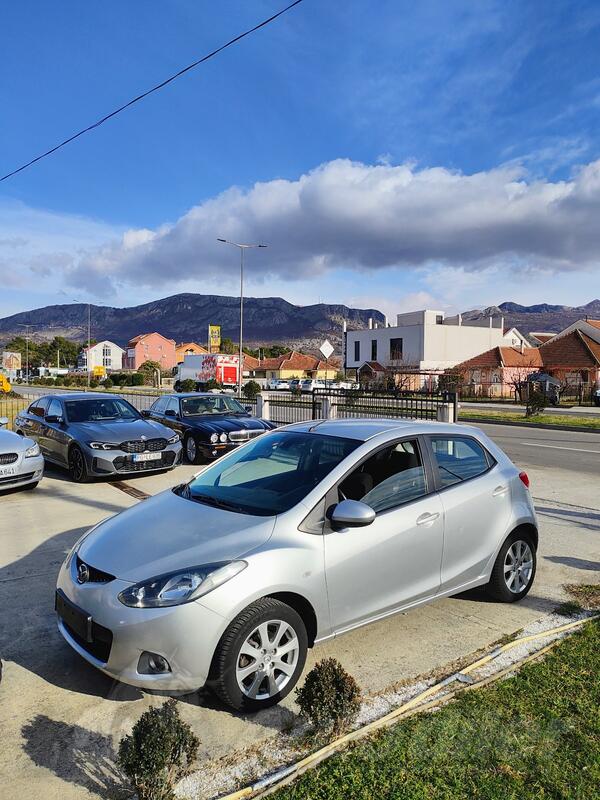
295	537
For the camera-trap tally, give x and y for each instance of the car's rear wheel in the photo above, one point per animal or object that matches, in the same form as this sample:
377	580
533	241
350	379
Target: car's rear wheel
260	656
514	569
192	450
77	466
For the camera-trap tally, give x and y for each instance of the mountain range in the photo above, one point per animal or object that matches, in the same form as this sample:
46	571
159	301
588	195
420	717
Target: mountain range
185	317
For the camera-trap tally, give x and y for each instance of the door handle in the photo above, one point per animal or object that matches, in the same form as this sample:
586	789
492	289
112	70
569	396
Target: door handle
499	490
427	519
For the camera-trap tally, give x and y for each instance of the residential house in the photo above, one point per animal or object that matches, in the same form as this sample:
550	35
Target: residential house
573	357
188	349
290	365
102	354
426	342
150	347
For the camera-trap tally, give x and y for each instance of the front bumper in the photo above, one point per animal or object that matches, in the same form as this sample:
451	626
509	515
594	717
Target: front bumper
117	462
26	471
185	635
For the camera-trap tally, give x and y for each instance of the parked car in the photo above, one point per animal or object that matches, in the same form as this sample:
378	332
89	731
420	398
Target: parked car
21	460
294	384
277	385
94	434
225	581
209	424
310	384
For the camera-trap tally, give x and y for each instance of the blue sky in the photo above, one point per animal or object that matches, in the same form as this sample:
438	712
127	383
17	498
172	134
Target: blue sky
392	154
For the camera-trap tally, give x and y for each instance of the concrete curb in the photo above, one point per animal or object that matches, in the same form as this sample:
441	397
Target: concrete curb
544	425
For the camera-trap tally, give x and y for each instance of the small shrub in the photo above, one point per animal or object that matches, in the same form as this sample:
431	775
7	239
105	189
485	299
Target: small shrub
330	697
108	384
67	381
137	379
158	752
251	389
536	403
212	384
93	384
188	385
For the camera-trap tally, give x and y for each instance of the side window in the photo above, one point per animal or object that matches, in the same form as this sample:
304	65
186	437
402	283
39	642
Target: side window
159	406
54	409
39	408
458	459
390	478
173	404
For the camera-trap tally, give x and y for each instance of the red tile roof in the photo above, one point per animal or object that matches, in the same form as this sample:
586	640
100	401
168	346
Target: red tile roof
374	365
573	351
141	336
503	357
593	322
295	360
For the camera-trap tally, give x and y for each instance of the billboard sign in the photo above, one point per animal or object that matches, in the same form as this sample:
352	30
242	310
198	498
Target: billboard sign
214	338
11	361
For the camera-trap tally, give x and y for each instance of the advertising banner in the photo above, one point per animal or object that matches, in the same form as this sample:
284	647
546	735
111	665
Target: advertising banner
214	338
11	362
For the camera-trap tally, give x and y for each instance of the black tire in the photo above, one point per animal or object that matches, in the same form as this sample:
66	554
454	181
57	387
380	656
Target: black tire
190	445
77	466
498	588
223	680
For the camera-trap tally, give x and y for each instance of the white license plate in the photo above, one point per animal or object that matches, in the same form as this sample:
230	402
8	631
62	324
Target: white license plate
147	456
8	470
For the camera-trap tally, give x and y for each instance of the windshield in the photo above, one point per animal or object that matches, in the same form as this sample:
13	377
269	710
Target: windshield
100	409
218	404
271	474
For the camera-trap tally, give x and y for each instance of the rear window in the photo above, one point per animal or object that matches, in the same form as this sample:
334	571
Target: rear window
459	458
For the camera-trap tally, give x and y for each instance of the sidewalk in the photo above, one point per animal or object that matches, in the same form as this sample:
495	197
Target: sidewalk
576	411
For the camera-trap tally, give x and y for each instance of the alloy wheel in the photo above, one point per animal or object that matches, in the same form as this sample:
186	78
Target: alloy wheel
191	449
267	660
76	464
518	566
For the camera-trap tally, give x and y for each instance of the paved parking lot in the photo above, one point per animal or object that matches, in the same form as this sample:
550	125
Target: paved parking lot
61	719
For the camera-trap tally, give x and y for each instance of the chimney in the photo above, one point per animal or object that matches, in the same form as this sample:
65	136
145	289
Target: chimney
370	323
491	321
385	321
343	326
522	346
459	320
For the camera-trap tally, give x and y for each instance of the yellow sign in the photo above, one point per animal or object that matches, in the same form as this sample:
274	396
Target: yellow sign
98	372
214	338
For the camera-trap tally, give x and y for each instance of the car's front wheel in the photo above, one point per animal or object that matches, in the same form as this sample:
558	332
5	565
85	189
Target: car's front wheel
514	569
260	656
192	451
77	466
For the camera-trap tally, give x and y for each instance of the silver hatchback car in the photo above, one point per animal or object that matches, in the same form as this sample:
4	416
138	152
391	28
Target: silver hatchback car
296	537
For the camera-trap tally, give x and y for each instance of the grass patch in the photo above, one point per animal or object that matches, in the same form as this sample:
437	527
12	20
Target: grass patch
568	609
586	594
536	735
514	416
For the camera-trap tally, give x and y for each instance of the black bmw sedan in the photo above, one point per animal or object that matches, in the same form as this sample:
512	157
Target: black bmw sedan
209	424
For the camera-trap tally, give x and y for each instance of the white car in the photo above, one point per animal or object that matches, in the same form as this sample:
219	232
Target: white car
309	384
21	461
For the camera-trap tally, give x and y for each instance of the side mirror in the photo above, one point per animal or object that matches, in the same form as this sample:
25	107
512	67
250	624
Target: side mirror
248	409
53	418
170	412
351	514
145	412
3	421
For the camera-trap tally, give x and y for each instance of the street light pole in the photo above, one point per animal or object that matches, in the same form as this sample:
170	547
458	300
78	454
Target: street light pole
241	248
27	326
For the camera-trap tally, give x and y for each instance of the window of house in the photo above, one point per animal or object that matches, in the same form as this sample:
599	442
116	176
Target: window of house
396	349
373	349
458	458
391	477
357	351
439	319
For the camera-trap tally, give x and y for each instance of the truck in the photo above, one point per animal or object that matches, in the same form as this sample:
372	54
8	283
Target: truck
219	367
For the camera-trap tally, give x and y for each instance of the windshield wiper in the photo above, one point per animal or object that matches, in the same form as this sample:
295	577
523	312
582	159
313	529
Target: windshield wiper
214	501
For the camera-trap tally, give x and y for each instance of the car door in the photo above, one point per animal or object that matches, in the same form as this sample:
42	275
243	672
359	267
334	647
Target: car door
172	415
56	440
36	427
475	495
157	409
375	570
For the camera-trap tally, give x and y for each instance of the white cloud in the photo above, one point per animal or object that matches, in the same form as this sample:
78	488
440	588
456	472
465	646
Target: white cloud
366	218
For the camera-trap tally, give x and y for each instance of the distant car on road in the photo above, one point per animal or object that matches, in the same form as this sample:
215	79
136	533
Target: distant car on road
300	535
21	460
209	424
597	397
94	435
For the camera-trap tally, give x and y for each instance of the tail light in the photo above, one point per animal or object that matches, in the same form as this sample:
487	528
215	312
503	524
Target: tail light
524	478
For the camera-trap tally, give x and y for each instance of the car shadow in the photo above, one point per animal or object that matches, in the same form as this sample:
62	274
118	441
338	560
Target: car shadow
27	589
278	718
576	563
589	520
75	755
479	595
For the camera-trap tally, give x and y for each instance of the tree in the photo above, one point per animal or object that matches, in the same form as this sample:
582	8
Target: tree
228	346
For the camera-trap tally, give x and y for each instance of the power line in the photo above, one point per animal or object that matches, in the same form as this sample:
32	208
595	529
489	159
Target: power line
153	89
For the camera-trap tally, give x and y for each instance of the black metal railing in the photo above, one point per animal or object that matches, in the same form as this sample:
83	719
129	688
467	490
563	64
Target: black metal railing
348	403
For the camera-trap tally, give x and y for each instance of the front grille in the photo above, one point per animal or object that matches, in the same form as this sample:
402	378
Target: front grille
149	446
8	458
244	435
17	478
123	464
95	575
101	643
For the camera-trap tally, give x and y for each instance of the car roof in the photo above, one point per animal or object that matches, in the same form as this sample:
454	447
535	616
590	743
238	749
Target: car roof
75	396
200	394
364	429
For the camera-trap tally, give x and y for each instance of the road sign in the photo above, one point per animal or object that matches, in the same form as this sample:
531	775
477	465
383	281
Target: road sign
326	349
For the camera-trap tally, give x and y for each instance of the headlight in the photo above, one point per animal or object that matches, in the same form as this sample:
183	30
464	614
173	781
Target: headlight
173	439
104	446
183	586
223	437
32	451
214	437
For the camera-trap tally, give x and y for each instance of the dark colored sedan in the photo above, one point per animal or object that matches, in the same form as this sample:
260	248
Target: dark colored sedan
94	434
209	424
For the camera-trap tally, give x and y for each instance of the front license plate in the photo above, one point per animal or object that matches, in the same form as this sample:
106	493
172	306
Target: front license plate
8	471
76	618
147	456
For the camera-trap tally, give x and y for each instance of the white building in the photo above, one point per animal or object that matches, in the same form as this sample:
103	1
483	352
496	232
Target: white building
427	341
103	354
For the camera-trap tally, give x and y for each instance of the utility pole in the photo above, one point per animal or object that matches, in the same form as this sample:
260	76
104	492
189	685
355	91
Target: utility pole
27	326
241	248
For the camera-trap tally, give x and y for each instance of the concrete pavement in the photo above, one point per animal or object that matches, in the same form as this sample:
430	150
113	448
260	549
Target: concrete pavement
62	720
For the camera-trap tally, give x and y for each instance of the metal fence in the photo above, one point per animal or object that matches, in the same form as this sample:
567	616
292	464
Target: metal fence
347	403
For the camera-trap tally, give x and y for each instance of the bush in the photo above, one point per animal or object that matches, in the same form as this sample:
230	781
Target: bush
212	384
158	752
251	389
188	385
536	403
137	379
330	697
108	384
67	380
